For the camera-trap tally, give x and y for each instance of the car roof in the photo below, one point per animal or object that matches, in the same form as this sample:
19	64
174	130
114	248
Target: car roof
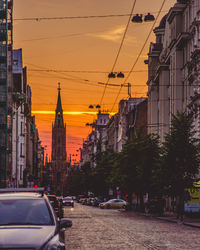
51	195
20	195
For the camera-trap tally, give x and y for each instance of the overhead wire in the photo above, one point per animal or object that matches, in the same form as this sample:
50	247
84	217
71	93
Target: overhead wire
140	52
75	17
120	47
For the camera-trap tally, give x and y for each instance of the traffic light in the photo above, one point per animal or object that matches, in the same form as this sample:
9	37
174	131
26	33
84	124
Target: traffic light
35	186
126	195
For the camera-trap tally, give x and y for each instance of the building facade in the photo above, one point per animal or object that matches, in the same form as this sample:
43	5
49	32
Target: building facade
97	140
18	120
6	43
125	107
174	67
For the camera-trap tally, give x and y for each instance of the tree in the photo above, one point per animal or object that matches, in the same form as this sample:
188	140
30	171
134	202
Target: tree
136	166
180	157
102	171
79	181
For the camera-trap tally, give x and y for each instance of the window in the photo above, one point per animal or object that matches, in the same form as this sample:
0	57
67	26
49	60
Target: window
21	128
21	172
21	149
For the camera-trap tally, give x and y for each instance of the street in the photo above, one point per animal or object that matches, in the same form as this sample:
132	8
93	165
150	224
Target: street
95	228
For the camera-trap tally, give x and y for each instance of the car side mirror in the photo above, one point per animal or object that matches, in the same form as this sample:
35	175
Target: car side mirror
64	223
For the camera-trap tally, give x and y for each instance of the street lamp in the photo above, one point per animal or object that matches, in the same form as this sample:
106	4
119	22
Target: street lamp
147	18
96	106
137	18
116	74
120	75
111	75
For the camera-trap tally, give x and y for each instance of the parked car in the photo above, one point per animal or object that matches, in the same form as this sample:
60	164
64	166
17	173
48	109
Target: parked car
114	203
56	204
90	201
96	202
68	201
28	221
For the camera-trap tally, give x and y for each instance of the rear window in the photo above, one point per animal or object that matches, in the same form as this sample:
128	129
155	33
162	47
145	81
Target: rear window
67	199
25	212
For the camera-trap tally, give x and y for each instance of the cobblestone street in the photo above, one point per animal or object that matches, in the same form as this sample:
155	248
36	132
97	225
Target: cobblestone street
95	228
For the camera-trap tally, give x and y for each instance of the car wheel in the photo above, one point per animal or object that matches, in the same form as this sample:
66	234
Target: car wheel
108	206
124	206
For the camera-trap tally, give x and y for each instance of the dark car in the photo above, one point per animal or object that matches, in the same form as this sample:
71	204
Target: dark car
28	221
96	202
56	204
68	201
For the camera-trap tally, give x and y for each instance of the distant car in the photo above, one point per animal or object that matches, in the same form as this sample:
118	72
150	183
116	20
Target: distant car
28	221
96	202
114	203
56	204
68	201
90	201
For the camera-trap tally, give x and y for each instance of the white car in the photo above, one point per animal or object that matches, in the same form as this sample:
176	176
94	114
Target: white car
114	203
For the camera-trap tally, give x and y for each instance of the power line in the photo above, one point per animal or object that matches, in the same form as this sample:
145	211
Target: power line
80	71
120	47
75	17
95	71
140	51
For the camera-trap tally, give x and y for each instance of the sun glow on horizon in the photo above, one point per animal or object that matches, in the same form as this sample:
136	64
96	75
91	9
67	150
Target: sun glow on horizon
46	112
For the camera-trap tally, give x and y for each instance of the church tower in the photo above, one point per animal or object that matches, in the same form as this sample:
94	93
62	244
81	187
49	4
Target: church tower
58	155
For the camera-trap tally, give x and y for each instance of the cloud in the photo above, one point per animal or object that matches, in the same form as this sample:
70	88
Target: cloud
111	35
115	35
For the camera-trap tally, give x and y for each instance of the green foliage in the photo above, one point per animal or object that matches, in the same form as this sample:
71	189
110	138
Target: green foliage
180	155
102	172
137	165
79	181
143	166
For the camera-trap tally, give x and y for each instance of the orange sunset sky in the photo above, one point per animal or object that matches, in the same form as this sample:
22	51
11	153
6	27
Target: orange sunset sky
79	53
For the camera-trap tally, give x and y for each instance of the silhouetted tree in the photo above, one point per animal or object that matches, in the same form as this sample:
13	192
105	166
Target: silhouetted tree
180	157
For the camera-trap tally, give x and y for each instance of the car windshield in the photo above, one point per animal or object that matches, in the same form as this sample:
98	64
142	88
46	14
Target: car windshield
67	199
24	212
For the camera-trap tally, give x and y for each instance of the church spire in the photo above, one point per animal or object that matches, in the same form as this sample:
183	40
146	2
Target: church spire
59	123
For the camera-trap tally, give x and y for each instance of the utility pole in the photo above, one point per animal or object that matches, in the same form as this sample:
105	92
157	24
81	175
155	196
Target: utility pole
129	90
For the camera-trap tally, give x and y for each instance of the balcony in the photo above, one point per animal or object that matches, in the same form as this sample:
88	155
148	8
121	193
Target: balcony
10	4
2	98
3	35
3	59
182	38
3	14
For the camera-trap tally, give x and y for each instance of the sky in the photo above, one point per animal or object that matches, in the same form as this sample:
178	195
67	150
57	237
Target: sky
79	50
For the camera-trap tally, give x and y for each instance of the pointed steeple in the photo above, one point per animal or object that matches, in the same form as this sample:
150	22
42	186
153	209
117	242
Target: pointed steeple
59	123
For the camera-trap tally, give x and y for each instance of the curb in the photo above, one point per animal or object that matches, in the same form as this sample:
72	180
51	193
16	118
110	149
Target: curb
190	224
183	223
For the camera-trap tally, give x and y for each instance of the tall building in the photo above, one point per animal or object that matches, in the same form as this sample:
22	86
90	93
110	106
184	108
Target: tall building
59	155
173	65
6	42
18	119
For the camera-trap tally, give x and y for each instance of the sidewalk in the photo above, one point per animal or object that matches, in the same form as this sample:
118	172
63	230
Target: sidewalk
192	222
170	217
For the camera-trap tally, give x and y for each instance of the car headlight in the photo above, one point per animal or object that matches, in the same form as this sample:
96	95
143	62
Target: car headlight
55	244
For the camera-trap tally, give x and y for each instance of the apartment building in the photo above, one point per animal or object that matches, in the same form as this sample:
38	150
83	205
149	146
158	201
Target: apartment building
174	67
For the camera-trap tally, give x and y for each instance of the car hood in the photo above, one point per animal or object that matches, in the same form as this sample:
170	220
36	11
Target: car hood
102	203
25	236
